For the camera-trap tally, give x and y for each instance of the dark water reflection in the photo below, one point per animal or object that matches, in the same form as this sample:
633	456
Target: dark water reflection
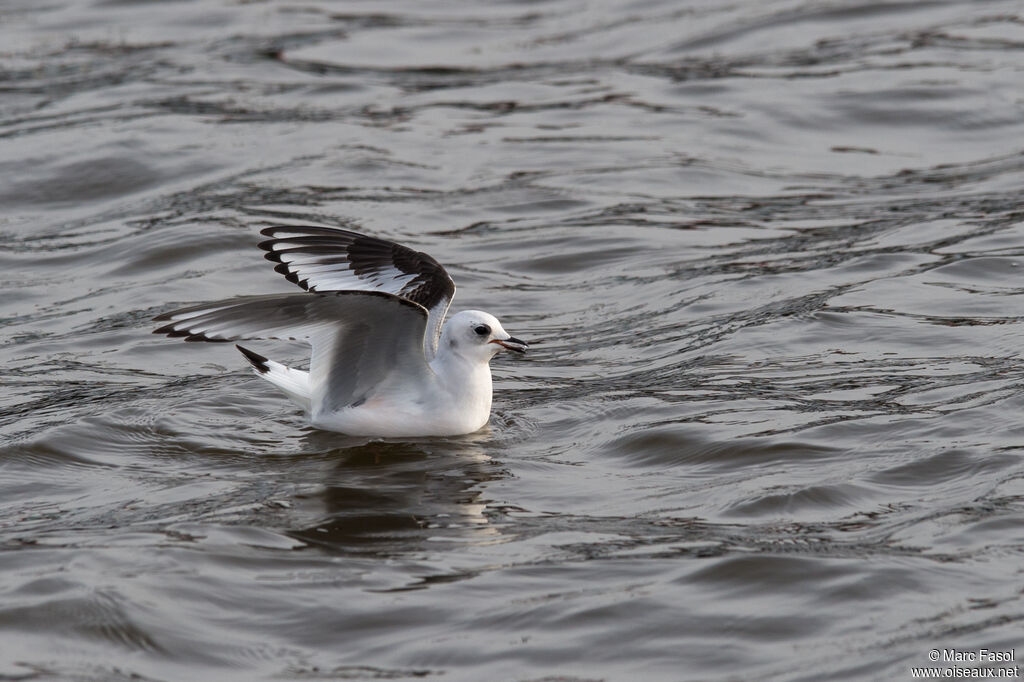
391	498
767	255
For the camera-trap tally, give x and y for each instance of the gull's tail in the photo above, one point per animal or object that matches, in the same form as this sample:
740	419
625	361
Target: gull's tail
294	382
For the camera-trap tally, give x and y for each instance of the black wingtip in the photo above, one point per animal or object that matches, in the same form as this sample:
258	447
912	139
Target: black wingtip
257	360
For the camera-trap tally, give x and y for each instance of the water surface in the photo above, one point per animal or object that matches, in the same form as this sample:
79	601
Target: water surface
768	255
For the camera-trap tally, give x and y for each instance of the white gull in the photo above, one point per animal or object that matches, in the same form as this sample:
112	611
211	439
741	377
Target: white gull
384	361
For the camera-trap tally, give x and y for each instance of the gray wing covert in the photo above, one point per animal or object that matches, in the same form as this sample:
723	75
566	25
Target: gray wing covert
361	340
381	348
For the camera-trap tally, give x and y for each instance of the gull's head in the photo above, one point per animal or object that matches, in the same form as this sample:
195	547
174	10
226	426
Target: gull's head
477	335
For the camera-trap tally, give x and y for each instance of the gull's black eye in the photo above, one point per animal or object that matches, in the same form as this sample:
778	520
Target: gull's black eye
482	329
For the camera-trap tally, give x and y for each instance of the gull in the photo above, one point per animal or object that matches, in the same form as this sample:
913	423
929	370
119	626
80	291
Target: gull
384	362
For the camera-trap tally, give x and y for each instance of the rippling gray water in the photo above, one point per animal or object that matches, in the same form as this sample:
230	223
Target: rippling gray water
768	255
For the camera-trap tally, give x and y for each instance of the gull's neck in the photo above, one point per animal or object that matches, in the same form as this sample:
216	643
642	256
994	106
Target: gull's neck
466	380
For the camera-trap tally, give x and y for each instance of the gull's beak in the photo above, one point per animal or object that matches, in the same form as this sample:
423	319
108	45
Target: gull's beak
512	344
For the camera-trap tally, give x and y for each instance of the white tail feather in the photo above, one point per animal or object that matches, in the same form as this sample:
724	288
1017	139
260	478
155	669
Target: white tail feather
293	382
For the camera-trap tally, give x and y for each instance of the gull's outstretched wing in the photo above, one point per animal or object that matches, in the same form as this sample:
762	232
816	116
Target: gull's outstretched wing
322	259
364	342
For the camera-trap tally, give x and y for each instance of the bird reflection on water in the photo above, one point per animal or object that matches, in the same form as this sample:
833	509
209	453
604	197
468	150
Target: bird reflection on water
392	498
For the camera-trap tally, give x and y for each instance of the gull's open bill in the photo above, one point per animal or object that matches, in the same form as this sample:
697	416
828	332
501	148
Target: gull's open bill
384	361
511	343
